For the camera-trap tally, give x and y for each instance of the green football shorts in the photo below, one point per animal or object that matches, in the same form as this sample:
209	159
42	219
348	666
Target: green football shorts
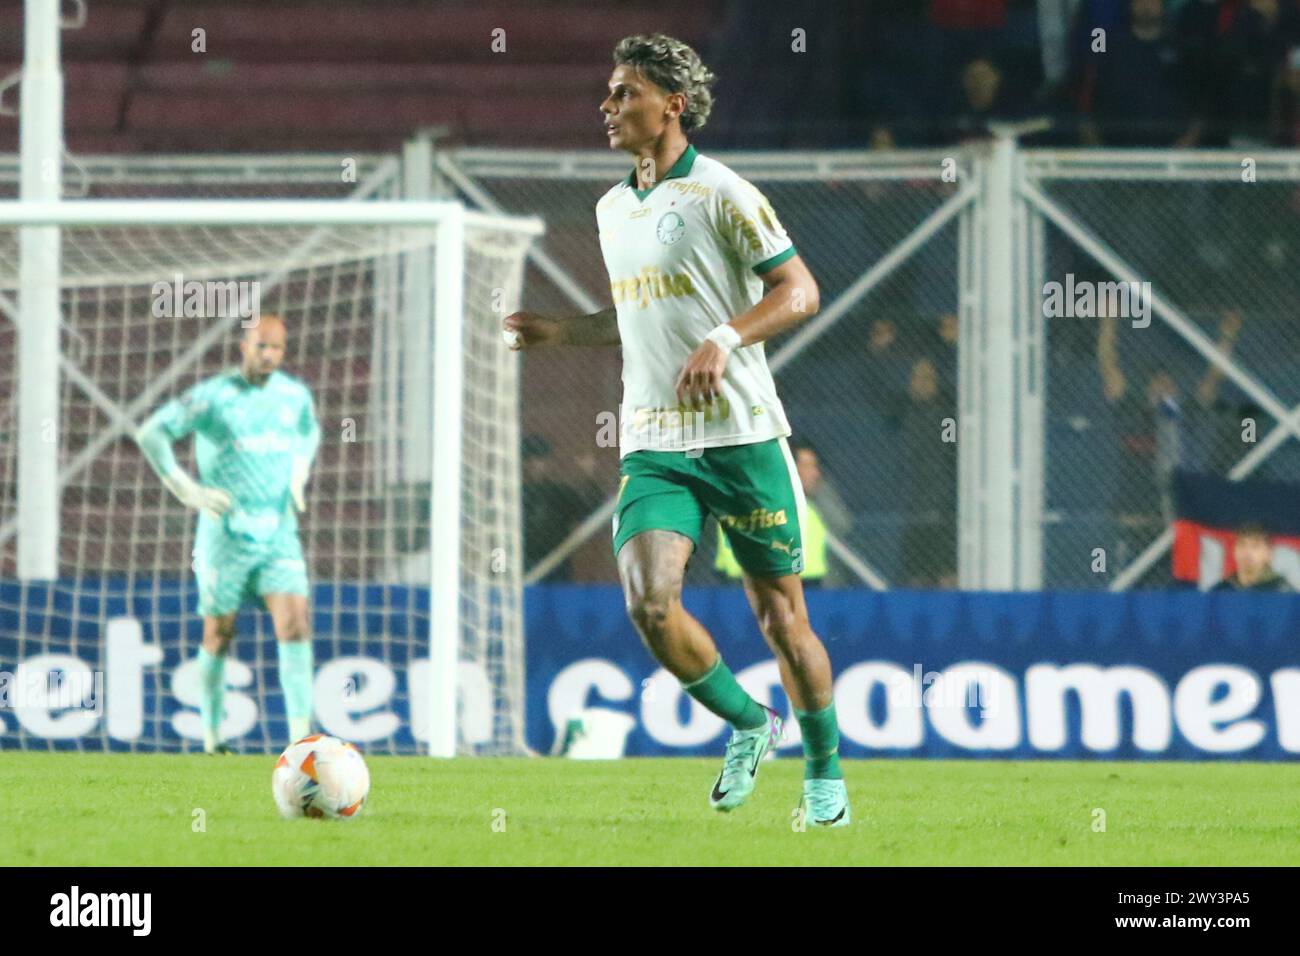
753	490
233	570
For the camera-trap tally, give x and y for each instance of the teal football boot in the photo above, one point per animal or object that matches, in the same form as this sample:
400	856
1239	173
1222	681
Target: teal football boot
745	750
825	803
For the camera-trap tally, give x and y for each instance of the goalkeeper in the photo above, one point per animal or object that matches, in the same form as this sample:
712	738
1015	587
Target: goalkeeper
255	438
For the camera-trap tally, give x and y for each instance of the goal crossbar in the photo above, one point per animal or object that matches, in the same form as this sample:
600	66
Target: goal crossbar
245	212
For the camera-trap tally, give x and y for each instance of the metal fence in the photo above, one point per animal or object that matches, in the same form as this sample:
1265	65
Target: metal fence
935	269
1205	382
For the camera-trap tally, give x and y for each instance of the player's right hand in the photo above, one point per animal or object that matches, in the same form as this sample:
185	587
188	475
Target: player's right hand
214	501
199	497
530	331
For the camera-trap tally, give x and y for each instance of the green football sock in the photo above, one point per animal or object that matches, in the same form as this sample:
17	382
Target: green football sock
720	692
212	688
295	678
821	743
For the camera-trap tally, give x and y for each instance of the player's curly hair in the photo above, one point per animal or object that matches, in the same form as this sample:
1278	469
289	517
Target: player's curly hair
674	66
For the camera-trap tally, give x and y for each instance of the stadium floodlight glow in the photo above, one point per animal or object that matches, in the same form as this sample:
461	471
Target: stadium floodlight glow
341	267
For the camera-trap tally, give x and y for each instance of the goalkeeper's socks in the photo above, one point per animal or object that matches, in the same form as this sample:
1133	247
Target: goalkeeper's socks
295	680
720	692
299	727
821	743
212	688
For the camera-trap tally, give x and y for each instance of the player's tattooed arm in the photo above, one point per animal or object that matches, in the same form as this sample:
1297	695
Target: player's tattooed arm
528	330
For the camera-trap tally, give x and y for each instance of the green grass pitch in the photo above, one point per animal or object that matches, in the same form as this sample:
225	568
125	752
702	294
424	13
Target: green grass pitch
128	809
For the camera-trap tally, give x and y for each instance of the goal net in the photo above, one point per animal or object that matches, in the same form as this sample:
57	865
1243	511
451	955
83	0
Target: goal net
102	657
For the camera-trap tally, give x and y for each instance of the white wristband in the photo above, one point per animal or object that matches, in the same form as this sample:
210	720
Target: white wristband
724	337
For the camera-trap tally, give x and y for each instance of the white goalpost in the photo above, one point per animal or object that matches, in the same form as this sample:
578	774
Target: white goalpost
394	313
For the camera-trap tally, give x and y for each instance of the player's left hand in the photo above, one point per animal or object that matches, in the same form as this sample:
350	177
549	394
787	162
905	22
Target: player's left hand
700	380
298	483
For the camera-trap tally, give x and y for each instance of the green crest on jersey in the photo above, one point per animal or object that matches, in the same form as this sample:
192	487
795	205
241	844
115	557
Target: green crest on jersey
671	228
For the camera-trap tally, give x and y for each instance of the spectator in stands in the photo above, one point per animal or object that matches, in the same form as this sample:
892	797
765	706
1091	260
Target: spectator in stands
1254	49
1285	122
1131	94
884	369
1139	422
984	99
882	139
1221	441
1157	432
959	32
825	511
954	33
1252	553
1198	34
1055	20
552	506
930	482
945	360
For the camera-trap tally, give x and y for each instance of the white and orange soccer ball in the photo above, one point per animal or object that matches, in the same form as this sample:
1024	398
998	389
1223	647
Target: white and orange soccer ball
320	776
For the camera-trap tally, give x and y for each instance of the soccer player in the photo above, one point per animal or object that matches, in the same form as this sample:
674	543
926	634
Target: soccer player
702	273
255	438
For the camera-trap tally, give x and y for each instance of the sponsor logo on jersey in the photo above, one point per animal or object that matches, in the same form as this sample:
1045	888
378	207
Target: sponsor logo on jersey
743	225
767	215
758	518
689	189
672	418
263	444
651	283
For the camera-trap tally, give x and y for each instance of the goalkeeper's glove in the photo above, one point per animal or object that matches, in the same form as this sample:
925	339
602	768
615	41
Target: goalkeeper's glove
298	482
199	497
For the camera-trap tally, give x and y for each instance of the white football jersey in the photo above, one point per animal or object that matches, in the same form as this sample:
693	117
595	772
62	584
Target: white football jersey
683	259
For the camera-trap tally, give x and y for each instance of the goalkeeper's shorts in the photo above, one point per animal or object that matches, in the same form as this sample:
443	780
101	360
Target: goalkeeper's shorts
753	490
232	571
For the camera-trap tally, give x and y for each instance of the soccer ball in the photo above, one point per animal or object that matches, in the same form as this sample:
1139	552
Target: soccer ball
320	776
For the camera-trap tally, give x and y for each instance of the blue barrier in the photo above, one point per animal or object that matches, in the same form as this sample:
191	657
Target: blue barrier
1175	675
1202	675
